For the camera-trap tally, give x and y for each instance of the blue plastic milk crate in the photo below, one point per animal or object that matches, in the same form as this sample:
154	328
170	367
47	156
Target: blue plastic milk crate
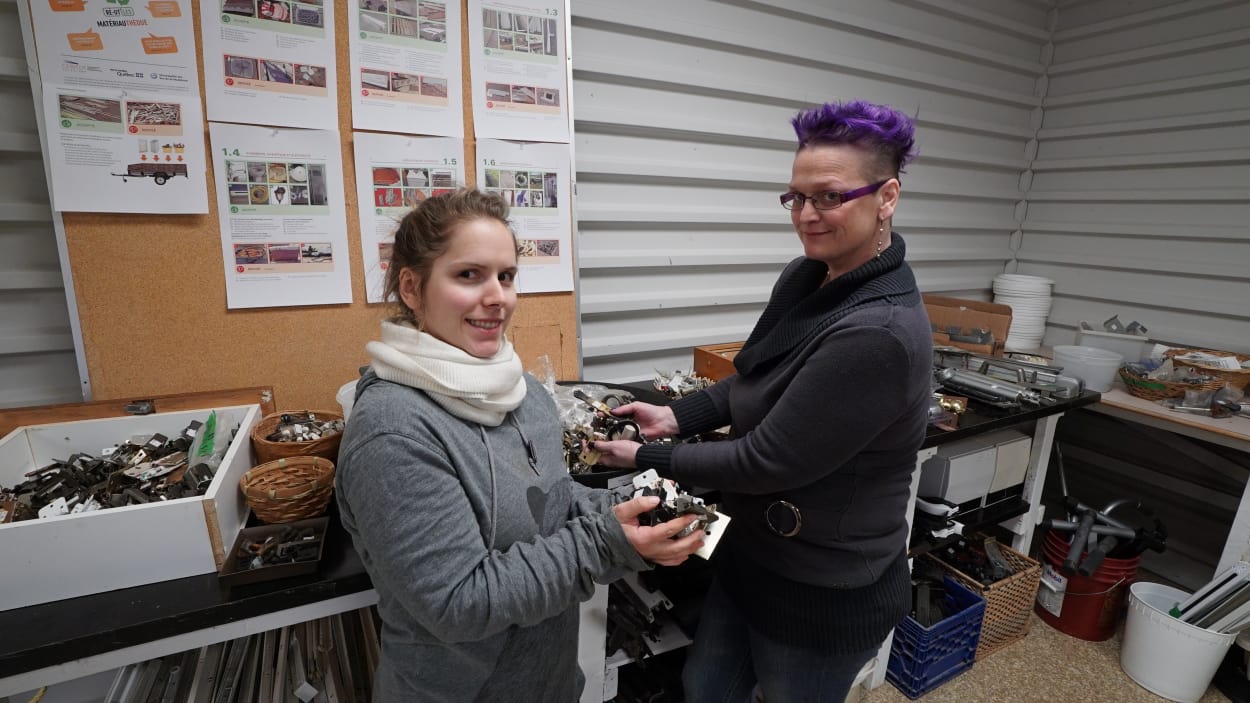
921	659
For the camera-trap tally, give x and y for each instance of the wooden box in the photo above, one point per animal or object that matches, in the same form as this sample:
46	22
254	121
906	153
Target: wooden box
716	361
79	554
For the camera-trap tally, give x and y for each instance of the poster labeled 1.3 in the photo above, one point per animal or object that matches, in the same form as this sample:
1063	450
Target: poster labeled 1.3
516	59
394	173
283	223
111	150
147	45
405	66
534	180
269	62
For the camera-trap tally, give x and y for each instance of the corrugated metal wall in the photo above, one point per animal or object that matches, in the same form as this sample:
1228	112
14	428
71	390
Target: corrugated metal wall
1140	196
38	365
683	143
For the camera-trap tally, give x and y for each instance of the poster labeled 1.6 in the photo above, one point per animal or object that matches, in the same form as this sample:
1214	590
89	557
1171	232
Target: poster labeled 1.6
283	222
516	60
405	66
534	180
269	62
111	150
394	173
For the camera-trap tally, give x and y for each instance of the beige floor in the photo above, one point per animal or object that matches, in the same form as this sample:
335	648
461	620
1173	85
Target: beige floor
1046	666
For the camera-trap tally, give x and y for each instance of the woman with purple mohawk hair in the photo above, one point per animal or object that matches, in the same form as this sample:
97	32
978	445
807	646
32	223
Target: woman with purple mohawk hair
827	409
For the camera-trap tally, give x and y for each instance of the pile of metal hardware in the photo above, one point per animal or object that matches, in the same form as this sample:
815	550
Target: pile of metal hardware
288	546
142	469
680	384
674	502
304	427
1002	382
984	562
586	415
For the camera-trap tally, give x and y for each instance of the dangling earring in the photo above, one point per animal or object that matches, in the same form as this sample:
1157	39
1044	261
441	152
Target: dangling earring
880	231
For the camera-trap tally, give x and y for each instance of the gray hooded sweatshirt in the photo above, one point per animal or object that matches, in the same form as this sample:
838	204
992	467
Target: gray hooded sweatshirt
479	547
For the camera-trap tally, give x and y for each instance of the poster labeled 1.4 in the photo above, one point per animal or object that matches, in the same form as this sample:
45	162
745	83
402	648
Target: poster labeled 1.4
393	174
516	59
534	180
283	223
141	46
111	150
405	66
270	62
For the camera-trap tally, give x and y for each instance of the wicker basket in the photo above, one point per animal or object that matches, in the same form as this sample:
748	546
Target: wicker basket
268	450
1158	390
286	490
1239	378
1008	602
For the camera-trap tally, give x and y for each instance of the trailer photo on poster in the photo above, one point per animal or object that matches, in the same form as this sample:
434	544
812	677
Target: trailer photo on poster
269	62
406	67
516	59
283	221
534	180
394	173
111	150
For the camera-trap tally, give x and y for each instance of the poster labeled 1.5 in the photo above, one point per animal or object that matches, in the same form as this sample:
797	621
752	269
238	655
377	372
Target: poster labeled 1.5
405	66
270	62
394	173
111	150
135	46
283	222
516	59
534	180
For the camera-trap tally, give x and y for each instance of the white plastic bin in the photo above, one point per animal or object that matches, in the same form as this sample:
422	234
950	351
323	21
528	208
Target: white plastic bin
1133	347
1165	656
1095	366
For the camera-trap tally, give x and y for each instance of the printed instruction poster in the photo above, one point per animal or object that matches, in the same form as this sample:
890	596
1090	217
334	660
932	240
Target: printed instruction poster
516	57
140	45
534	180
283	222
112	150
405	66
393	174
270	62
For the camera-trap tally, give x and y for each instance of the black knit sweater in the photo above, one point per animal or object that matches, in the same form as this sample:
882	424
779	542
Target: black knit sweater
827	412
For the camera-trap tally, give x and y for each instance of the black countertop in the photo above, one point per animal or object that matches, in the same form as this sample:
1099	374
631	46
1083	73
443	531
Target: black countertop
44	635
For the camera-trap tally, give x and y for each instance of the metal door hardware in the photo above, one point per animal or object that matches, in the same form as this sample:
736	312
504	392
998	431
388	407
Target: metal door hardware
989	390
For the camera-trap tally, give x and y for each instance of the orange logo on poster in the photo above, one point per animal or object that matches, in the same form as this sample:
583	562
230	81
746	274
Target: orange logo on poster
164	8
67	5
153	44
85	41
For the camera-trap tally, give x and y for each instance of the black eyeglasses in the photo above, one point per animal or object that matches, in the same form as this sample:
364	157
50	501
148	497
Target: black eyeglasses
827	199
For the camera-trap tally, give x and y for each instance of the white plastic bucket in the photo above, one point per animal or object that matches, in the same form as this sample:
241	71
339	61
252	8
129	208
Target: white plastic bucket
346	397
1165	656
1095	366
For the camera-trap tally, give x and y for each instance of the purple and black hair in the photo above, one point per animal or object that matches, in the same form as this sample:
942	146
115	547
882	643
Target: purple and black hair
884	132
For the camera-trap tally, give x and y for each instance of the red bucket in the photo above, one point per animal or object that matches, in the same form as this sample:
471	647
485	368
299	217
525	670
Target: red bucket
1090	606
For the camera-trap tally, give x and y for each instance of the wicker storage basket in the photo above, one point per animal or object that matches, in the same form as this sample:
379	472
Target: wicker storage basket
290	489
1238	379
268	450
1158	390
1008	602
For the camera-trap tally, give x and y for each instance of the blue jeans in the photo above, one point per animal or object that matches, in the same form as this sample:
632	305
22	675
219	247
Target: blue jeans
728	659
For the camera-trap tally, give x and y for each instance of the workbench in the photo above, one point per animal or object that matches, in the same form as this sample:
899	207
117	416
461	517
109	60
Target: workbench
1233	432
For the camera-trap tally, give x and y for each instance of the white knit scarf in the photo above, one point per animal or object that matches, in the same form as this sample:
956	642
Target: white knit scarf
479	390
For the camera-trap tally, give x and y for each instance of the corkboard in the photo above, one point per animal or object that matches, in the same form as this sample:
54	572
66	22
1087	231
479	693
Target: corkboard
152	300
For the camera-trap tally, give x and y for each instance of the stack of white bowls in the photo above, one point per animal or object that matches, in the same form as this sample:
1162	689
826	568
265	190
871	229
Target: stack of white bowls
1029	298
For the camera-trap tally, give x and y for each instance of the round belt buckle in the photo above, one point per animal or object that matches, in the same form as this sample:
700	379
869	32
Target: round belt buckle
781	512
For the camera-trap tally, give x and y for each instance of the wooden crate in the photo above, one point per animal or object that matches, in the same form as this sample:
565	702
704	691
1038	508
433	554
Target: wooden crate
79	554
716	361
